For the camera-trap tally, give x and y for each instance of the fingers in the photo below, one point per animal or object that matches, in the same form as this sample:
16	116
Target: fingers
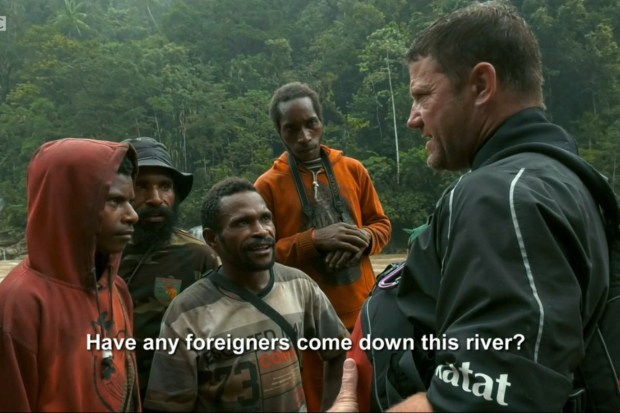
337	259
349	379
355	237
355	259
341	236
346	401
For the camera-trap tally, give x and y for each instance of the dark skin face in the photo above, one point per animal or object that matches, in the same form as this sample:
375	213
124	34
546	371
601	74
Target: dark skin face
118	217
246	239
301	130
155	189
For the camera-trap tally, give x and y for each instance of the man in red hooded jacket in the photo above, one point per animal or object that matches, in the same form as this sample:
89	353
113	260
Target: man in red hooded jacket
64	301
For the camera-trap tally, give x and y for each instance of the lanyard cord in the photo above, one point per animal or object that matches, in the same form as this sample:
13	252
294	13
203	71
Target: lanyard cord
140	262
301	191
107	356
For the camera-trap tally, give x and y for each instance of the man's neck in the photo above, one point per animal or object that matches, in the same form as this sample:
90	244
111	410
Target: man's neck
314	165
252	281
101	263
151	244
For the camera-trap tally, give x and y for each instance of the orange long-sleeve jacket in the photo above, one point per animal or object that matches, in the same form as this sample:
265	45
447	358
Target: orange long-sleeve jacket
295	247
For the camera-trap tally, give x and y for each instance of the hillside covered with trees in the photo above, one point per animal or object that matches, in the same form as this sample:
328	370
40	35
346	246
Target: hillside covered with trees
198	75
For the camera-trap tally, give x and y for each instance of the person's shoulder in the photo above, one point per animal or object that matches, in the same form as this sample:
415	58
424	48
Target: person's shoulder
339	159
275	174
524	168
181	237
25	296
185	239
23	282
285	273
11	286
294	278
500	172
199	294
522	178
484	187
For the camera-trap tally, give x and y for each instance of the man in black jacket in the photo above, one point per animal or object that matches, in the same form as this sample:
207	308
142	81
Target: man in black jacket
505	283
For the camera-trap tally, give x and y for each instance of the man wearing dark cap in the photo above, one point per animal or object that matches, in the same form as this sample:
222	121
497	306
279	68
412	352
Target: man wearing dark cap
161	260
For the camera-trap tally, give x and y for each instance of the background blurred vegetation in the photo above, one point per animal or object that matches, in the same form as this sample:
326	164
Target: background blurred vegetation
198	75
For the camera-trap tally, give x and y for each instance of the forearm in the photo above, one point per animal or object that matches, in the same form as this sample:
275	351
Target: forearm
296	249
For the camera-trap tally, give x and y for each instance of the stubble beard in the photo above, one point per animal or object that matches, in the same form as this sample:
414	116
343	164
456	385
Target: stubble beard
254	266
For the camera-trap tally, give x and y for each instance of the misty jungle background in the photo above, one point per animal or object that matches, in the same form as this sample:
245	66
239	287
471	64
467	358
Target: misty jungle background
198	75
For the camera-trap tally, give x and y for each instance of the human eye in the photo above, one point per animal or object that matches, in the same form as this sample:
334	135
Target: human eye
290	130
114	201
240	223
417	96
166	186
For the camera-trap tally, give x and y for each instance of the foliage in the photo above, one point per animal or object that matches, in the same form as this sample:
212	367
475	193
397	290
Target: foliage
198	75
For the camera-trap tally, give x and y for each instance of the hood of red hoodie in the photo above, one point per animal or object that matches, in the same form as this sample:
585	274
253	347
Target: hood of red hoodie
68	183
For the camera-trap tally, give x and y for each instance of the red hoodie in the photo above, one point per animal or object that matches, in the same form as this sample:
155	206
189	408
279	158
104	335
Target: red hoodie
48	303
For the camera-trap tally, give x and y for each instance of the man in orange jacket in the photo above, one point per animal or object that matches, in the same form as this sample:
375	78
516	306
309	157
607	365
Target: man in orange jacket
333	224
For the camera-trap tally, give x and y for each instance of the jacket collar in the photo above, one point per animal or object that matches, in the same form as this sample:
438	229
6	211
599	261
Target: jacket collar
527	126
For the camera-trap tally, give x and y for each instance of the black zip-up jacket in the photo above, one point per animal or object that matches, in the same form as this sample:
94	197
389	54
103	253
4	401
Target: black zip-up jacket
515	258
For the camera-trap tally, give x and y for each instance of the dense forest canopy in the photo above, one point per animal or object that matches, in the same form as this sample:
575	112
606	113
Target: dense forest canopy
198	75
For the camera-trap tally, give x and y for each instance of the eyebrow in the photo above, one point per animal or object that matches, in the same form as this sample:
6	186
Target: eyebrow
162	178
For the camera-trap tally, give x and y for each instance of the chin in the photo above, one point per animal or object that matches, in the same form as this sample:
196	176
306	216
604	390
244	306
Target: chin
262	265
113	249
434	163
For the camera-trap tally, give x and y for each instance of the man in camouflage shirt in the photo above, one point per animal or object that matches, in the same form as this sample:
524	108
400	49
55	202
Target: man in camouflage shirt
161	260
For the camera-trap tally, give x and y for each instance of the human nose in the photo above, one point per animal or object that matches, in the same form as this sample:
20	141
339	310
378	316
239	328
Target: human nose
305	135
154	196
415	119
130	216
261	229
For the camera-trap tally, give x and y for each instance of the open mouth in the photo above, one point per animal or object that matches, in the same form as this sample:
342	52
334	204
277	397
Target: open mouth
260	248
263	247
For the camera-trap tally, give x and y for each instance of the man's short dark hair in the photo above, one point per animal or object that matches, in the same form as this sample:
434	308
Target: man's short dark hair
210	212
492	32
290	91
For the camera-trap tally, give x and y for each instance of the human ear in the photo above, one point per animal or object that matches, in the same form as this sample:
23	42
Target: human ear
483	80
209	235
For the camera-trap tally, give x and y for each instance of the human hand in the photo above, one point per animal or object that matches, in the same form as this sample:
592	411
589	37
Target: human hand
341	236
346	401
338	259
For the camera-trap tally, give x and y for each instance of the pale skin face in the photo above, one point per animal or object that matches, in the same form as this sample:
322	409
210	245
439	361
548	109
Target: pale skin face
456	123
443	116
118	216
301	129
